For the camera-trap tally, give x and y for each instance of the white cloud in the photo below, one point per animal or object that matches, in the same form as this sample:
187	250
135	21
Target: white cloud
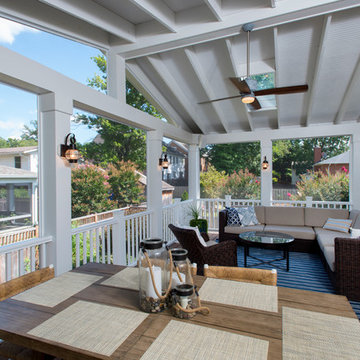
11	128
10	29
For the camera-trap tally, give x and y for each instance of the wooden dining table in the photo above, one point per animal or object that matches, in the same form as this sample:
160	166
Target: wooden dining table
18	318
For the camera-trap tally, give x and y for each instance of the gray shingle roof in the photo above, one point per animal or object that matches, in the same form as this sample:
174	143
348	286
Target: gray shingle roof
16	150
10	172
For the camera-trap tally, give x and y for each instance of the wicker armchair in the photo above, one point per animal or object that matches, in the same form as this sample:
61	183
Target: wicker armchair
347	267
223	254
257	276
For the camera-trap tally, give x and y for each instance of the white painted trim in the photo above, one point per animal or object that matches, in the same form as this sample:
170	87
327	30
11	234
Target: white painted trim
288	132
277	74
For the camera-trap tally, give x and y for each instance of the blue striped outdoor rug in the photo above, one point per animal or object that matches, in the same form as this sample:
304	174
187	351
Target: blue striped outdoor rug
307	272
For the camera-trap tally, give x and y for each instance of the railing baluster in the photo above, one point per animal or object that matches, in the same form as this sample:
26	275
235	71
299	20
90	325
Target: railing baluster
91	239
77	252
32	258
108	238
103	244
97	244
85	247
128	240
8	266
21	262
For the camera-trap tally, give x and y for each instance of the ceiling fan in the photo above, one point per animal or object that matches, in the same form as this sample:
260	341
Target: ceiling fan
247	86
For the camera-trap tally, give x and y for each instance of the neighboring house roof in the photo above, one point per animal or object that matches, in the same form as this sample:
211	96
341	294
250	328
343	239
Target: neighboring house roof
17	150
343	158
7	172
180	145
165	185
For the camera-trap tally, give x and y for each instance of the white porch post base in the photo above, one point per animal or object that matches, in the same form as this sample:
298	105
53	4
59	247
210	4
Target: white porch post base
266	175
194	172
154	181
55	180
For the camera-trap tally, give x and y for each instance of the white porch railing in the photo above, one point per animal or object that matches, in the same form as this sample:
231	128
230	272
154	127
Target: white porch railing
177	213
15	235
23	257
315	204
115	240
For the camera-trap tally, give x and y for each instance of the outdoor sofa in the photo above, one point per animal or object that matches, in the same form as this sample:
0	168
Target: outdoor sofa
339	251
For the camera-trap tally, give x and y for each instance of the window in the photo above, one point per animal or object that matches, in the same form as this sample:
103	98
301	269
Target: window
18	162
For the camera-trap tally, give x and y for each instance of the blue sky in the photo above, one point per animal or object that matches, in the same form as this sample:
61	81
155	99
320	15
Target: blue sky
18	108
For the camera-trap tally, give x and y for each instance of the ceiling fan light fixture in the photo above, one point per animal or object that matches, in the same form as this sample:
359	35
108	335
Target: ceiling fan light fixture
248	98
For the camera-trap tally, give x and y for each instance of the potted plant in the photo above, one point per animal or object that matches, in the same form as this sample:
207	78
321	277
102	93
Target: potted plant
202	224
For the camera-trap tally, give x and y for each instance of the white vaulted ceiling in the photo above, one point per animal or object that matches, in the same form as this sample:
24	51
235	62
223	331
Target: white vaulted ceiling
179	53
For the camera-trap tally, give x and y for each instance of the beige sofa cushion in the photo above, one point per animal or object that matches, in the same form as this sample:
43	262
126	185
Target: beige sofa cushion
276	215
326	237
329	253
242	229
298	232
317	217
260	214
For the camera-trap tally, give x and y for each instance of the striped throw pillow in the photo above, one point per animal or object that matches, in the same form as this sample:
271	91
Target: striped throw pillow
341	225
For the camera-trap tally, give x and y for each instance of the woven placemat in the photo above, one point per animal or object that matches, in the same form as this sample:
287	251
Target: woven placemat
55	291
254	296
89	326
180	340
313	335
127	278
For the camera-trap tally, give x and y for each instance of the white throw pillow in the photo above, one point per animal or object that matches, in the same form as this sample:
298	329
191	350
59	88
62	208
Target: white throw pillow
247	216
341	225
196	229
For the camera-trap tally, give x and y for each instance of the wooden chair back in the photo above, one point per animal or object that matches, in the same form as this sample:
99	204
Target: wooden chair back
258	276
25	282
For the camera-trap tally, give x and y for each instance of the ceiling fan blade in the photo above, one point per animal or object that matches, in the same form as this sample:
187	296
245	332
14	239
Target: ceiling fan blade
241	85
255	105
282	90
225	98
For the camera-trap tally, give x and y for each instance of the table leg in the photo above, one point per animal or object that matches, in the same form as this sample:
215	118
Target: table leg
287	260
245	255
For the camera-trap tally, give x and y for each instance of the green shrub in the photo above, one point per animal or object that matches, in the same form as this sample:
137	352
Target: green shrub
184	196
323	187
242	185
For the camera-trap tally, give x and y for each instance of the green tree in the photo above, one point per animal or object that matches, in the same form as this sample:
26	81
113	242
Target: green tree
298	154
7	143
235	157
212	182
30	132
124	181
118	142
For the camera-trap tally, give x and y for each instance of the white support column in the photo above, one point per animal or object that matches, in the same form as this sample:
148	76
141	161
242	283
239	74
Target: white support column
354	171
10	198
194	172
116	76
55	179
154	181
266	175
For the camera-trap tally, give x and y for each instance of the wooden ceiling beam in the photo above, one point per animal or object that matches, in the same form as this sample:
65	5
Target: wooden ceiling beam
159	11
318	66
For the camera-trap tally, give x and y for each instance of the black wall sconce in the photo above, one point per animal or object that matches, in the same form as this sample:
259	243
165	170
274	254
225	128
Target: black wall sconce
265	164
164	162
69	150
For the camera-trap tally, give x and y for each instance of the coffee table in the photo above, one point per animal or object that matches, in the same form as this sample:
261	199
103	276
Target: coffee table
266	240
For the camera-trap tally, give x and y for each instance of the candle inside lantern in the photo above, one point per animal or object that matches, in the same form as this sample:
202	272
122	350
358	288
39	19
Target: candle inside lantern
176	281
184	300
149	286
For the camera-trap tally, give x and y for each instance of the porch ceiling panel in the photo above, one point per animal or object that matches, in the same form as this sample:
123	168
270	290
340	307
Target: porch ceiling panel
339	64
297	48
266	119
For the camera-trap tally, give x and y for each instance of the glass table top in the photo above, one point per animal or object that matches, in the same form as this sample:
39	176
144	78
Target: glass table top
266	237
